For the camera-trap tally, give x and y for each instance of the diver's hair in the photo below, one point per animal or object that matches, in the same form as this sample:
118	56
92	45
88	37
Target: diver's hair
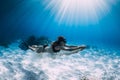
57	43
61	39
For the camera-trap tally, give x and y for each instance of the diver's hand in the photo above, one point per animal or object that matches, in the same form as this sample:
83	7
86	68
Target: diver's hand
82	47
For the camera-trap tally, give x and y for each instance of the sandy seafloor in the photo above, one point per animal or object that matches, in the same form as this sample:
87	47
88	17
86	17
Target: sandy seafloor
89	64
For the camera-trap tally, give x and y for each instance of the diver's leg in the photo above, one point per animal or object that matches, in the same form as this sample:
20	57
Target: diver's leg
32	48
41	49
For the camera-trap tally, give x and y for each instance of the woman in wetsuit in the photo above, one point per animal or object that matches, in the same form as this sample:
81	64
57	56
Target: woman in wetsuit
59	44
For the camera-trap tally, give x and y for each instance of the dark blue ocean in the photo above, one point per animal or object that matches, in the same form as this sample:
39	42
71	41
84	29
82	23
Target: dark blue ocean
94	23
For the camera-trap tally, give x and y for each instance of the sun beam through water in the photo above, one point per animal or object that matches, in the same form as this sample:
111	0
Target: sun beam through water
79	11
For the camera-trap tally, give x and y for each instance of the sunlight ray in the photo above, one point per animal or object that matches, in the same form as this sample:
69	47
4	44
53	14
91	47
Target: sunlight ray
78	11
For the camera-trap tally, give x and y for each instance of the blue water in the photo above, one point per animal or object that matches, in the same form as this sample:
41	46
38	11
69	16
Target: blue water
21	19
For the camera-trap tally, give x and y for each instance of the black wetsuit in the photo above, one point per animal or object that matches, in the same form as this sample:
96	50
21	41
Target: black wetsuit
55	44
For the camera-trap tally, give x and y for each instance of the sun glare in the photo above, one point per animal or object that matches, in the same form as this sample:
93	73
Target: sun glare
78	11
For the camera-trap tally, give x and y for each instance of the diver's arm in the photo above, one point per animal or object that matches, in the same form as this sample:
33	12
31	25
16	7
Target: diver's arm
73	48
70	49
